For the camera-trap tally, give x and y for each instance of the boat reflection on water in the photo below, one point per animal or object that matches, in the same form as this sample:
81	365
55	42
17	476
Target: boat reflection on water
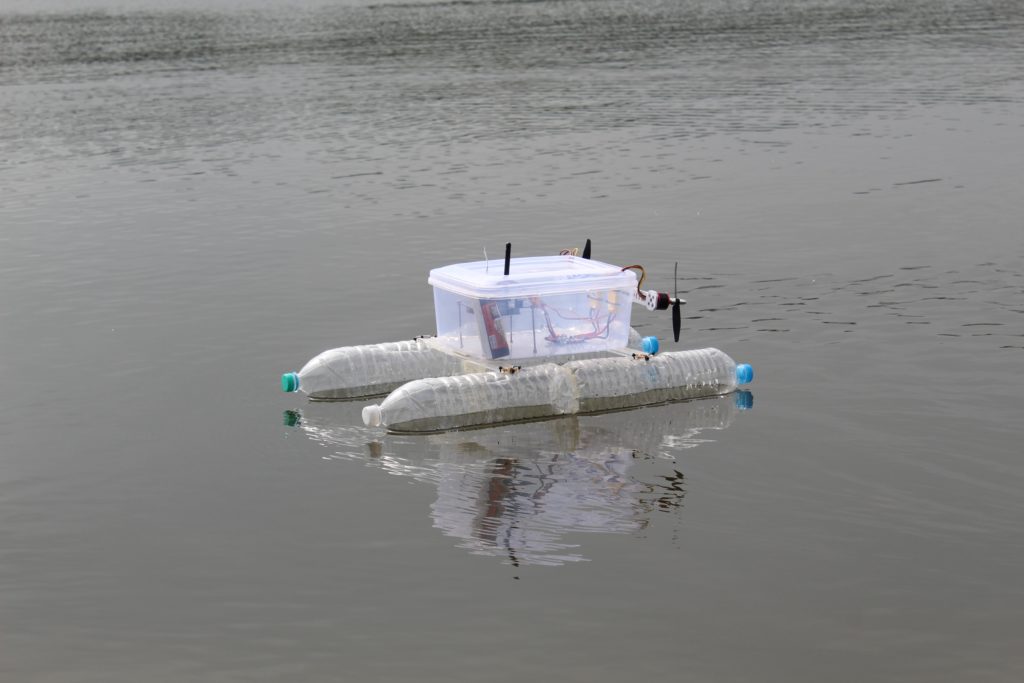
517	491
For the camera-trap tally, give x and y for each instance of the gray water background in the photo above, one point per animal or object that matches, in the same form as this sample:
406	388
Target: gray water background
194	200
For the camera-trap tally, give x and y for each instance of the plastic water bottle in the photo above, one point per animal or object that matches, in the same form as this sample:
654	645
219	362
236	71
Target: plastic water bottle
441	403
623	382
372	369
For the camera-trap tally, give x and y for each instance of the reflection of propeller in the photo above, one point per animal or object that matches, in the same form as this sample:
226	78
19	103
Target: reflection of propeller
677	318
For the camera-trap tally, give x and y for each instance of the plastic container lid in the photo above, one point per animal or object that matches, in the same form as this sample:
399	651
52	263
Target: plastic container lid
530	276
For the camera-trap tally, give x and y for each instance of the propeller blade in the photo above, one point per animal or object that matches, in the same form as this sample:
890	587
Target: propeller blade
508	256
586	249
677	319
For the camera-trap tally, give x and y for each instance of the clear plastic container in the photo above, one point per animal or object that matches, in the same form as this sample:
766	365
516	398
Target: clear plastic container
545	306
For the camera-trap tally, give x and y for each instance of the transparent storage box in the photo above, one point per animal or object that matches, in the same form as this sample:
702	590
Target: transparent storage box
545	306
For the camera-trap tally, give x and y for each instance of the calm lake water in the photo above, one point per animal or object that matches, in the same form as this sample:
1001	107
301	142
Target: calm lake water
193	201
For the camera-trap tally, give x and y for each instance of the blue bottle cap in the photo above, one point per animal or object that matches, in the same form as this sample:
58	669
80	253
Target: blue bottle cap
744	373
649	345
289	382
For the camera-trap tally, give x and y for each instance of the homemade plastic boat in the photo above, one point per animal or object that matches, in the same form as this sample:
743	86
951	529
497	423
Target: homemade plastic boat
539	337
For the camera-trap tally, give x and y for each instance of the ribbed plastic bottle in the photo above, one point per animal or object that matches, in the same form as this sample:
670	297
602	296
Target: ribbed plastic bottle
441	403
372	369
624	382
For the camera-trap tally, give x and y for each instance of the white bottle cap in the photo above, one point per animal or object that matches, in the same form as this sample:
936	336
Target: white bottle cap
371	416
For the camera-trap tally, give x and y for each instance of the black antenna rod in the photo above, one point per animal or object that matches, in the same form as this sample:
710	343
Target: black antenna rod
508	256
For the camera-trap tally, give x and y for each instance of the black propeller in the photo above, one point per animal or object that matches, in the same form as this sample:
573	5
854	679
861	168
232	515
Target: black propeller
677	318
586	249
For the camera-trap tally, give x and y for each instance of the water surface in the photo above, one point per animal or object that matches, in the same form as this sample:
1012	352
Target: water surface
195	200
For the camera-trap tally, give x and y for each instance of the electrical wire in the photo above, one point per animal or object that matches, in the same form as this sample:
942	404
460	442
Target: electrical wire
643	275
